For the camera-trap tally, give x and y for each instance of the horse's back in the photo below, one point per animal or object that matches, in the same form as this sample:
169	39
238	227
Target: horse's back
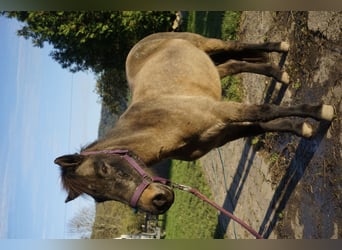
170	66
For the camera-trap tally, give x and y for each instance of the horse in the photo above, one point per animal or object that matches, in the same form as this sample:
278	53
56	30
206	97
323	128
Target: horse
177	112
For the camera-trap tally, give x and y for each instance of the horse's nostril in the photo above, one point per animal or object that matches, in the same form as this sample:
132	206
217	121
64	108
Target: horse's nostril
162	199
159	200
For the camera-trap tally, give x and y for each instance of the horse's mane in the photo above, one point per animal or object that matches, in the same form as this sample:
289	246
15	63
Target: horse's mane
89	145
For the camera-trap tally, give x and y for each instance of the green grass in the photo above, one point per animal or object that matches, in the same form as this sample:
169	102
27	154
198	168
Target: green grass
231	85
189	217
230	25
217	24
231	88
207	23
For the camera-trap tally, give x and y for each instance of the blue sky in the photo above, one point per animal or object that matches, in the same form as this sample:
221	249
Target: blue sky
45	112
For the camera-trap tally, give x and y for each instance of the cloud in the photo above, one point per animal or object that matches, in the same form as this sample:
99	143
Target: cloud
28	99
4	206
6	192
19	148
84	98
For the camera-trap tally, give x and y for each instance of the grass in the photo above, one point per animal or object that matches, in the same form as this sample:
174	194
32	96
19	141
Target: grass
231	88
207	23
217	24
189	217
230	25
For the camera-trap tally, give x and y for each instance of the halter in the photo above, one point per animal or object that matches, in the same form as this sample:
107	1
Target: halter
147	180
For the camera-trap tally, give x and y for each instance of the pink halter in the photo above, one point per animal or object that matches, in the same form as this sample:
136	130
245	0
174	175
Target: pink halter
147	180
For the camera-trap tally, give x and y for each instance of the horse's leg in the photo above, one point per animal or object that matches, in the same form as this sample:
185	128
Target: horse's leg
213	45
221	133
238	112
232	67
248	129
299	128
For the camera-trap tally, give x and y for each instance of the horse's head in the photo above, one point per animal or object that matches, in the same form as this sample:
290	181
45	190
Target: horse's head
112	177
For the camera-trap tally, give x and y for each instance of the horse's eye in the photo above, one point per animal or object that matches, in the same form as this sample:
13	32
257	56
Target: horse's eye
104	169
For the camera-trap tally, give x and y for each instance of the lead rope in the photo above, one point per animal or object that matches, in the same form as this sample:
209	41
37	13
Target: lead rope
215	205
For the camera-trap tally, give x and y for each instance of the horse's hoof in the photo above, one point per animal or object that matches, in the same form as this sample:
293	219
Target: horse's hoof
285	78
307	130
284	46
327	112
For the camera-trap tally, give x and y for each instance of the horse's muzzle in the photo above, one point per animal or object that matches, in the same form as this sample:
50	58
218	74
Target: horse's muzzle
157	198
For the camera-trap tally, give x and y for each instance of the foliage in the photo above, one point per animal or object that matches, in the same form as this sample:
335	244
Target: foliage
114	218
95	40
109	87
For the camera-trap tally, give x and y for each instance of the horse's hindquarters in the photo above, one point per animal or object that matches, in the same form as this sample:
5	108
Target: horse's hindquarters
176	68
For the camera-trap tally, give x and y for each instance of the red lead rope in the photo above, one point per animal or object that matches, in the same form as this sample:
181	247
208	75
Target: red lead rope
207	200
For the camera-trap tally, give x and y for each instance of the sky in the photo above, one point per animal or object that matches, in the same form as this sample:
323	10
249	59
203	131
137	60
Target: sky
45	112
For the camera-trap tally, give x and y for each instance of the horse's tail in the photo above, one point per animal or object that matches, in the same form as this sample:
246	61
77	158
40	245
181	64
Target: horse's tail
252	56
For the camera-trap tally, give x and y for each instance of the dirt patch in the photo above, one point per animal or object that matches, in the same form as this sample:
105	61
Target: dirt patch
282	185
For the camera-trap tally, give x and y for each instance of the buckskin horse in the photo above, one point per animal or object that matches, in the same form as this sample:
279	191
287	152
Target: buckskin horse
176	112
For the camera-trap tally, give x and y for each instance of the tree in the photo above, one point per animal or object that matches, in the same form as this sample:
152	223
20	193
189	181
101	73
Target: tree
95	40
109	88
82	223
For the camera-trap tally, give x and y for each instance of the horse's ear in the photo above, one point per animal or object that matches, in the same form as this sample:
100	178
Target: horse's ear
69	160
71	196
